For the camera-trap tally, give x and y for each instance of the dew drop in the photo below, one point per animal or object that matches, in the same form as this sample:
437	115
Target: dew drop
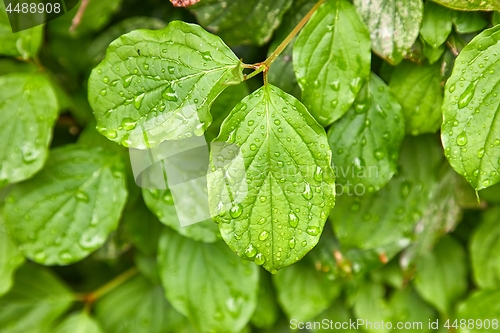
313	230
291	243
467	95
318	174
462	139
128	124
307	194
207	56
293	220
379	154
253	147
236	211
263	235
127	80
452	88
480	153
335	85
259	259
82	196
277	122
170	95
250	251
138	100
104	92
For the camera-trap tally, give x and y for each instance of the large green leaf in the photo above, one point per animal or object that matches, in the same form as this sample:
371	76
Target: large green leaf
267	311
471	5
467	22
485	251
284	161
393	25
366	141
156	85
482	306
241	21
471	126
408	308
10	258
418	89
303	291
436	25
29	108
68	210
136	306
37	299
332	58
206	282
370	305
79	322
441	276
23	43
372	221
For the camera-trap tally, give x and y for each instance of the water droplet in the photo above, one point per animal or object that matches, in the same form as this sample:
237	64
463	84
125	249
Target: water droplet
452	88
263	235
379	154
82	196
334	103
251	122
480	153
104	92
462	139
291	243
110	134
236	211
170	95
146	66
250	251
171	69
40	256
29	152
467	95
263	199
259	259
105	79
293	220
277	122
304	243
313	230
335	85
253	147
138	100
318	174
307	194
207	56
355	85
405	189
92	241
127	80
128	124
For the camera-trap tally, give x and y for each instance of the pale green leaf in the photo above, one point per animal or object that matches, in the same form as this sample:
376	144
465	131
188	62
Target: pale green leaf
303	291
433	54
29	109
370	305
485	251
467	22
23	43
482	306
496	18
418	89
208	283
408	308
79	322
366	141
161	203
436	25
10	258
470	5
371	221
36	300
273	194
393	25
135	306
157	85
441	276
471	128
337	313
241	21
332	60
68	210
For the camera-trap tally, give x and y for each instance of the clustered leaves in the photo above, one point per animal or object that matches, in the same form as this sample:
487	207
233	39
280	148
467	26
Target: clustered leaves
355	174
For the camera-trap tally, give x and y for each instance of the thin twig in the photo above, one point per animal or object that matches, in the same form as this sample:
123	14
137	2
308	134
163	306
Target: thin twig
78	17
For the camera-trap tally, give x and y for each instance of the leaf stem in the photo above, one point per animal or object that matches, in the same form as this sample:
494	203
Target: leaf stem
93	296
292	35
259	68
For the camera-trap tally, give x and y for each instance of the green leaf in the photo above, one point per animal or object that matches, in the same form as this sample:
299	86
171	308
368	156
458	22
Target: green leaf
29	110
436	25
267	311
79	322
485	250
366	141
370	305
23	43
433	54
467	22
418	89
135	306
470	5
496	18
482	305
441	276
10	258
157	85
223	105
393	25
206	282
332	60
337	313
285	161
161	203
471	128
304	292
372	221
68	210
241	21
408	308
37	299
95	16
